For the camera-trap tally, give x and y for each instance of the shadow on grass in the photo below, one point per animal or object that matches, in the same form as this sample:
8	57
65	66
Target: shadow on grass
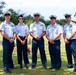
39	70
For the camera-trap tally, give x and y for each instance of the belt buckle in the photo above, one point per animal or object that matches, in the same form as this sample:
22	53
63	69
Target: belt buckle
22	36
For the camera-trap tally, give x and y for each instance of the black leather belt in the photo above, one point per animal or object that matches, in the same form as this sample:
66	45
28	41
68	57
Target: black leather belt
22	36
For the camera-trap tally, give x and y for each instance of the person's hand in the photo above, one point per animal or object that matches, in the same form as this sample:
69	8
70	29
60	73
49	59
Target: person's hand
11	40
66	41
51	41
23	42
38	38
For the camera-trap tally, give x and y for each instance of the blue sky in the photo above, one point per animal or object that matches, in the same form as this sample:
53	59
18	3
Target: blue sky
45	7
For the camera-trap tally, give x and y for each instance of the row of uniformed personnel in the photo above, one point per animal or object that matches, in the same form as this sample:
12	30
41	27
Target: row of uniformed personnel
37	31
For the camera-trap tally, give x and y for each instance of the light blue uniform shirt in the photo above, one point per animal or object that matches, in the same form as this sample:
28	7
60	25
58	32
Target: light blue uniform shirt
8	28
52	31
37	28
22	30
69	29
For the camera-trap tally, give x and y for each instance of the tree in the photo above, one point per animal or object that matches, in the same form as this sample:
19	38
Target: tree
75	14
14	16
28	20
61	21
2	5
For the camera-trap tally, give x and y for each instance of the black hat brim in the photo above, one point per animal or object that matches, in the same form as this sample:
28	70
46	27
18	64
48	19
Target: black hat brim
7	14
52	17
67	16
36	15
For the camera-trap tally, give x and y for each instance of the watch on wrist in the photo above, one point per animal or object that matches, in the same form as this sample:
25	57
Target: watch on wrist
25	38
68	39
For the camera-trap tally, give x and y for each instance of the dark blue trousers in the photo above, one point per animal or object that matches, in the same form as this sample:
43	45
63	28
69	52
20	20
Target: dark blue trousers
55	55
35	45
71	50
22	52
7	54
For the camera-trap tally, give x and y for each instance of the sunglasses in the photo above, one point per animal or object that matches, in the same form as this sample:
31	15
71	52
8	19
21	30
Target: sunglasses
21	18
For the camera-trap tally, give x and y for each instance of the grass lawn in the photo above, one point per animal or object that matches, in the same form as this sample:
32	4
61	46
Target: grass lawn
39	70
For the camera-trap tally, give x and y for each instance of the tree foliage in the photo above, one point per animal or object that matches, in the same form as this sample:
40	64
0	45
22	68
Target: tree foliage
2	5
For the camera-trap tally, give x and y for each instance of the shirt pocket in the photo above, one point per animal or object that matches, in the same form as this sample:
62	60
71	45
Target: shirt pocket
7	28
70	30
56	31
24	29
50	30
18	31
41	28
34	29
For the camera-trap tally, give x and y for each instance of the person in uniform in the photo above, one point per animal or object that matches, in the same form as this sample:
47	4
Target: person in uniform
8	33
37	31
69	35
22	34
53	34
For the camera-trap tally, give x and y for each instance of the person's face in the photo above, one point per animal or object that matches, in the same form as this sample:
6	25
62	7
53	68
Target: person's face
37	18
68	19
7	17
53	21
20	19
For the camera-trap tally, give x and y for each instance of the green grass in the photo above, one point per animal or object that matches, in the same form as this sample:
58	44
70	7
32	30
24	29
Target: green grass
39	70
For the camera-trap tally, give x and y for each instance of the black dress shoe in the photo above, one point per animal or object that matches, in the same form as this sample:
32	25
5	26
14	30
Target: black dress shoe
33	67
21	67
52	68
7	71
13	68
74	70
57	68
26	66
44	67
69	66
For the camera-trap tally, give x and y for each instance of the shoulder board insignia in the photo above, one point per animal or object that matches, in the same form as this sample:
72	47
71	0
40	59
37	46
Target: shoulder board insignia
12	25
41	24
70	26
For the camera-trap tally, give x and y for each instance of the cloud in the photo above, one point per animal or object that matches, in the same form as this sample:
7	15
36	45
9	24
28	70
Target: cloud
41	3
